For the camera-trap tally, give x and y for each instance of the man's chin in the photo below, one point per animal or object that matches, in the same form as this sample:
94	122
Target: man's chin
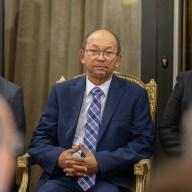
100	75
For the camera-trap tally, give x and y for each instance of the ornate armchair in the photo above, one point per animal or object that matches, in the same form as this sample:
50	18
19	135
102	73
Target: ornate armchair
142	169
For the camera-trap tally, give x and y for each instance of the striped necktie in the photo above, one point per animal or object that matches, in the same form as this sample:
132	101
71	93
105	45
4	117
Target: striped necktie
91	132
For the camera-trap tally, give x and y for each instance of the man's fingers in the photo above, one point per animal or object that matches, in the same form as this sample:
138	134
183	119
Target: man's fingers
69	170
78	174
75	168
70	174
75	160
75	171
75	149
84	150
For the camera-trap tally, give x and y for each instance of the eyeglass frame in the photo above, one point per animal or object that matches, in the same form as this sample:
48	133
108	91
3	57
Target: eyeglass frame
99	52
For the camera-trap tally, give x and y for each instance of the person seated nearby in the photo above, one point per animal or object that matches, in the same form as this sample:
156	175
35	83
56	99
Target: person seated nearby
170	130
13	94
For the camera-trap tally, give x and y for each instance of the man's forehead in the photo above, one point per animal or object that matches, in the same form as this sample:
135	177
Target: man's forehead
101	36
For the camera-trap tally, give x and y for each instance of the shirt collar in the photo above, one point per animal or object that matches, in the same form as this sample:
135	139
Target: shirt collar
104	87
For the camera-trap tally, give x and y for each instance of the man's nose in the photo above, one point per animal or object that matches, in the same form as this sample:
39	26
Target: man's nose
101	56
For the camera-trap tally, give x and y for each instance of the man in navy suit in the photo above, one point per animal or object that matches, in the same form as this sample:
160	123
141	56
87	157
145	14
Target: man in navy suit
126	133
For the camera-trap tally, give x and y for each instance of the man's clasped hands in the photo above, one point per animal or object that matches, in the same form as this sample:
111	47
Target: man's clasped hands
78	166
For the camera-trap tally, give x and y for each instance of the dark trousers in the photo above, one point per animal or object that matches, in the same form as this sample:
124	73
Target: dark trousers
69	184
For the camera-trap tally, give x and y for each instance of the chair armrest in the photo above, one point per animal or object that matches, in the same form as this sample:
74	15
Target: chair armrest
24	162
142	173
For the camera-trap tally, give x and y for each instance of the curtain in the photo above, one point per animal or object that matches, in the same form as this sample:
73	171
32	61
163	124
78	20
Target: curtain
42	39
188	37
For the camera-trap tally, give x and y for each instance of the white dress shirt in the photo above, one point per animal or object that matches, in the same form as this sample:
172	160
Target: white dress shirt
88	97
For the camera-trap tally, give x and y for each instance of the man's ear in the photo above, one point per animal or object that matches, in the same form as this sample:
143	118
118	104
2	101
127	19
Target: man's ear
81	55
118	60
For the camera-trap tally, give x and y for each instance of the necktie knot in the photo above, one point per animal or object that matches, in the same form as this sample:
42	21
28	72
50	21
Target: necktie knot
96	91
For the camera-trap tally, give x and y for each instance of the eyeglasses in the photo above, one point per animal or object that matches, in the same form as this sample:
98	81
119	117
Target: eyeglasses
95	53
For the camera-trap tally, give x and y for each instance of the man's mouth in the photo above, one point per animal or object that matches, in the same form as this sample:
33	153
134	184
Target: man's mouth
101	67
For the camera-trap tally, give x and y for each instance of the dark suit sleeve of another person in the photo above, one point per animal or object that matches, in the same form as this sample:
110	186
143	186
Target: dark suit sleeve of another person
16	103
14	96
169	130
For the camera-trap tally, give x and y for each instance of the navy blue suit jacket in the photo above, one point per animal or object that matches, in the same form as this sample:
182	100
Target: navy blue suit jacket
126	134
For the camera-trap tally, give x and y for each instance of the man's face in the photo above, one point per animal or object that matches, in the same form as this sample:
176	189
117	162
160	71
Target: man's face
100	56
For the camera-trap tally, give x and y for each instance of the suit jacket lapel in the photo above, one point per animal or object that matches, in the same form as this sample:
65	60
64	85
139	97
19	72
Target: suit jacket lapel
115	93
76	94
